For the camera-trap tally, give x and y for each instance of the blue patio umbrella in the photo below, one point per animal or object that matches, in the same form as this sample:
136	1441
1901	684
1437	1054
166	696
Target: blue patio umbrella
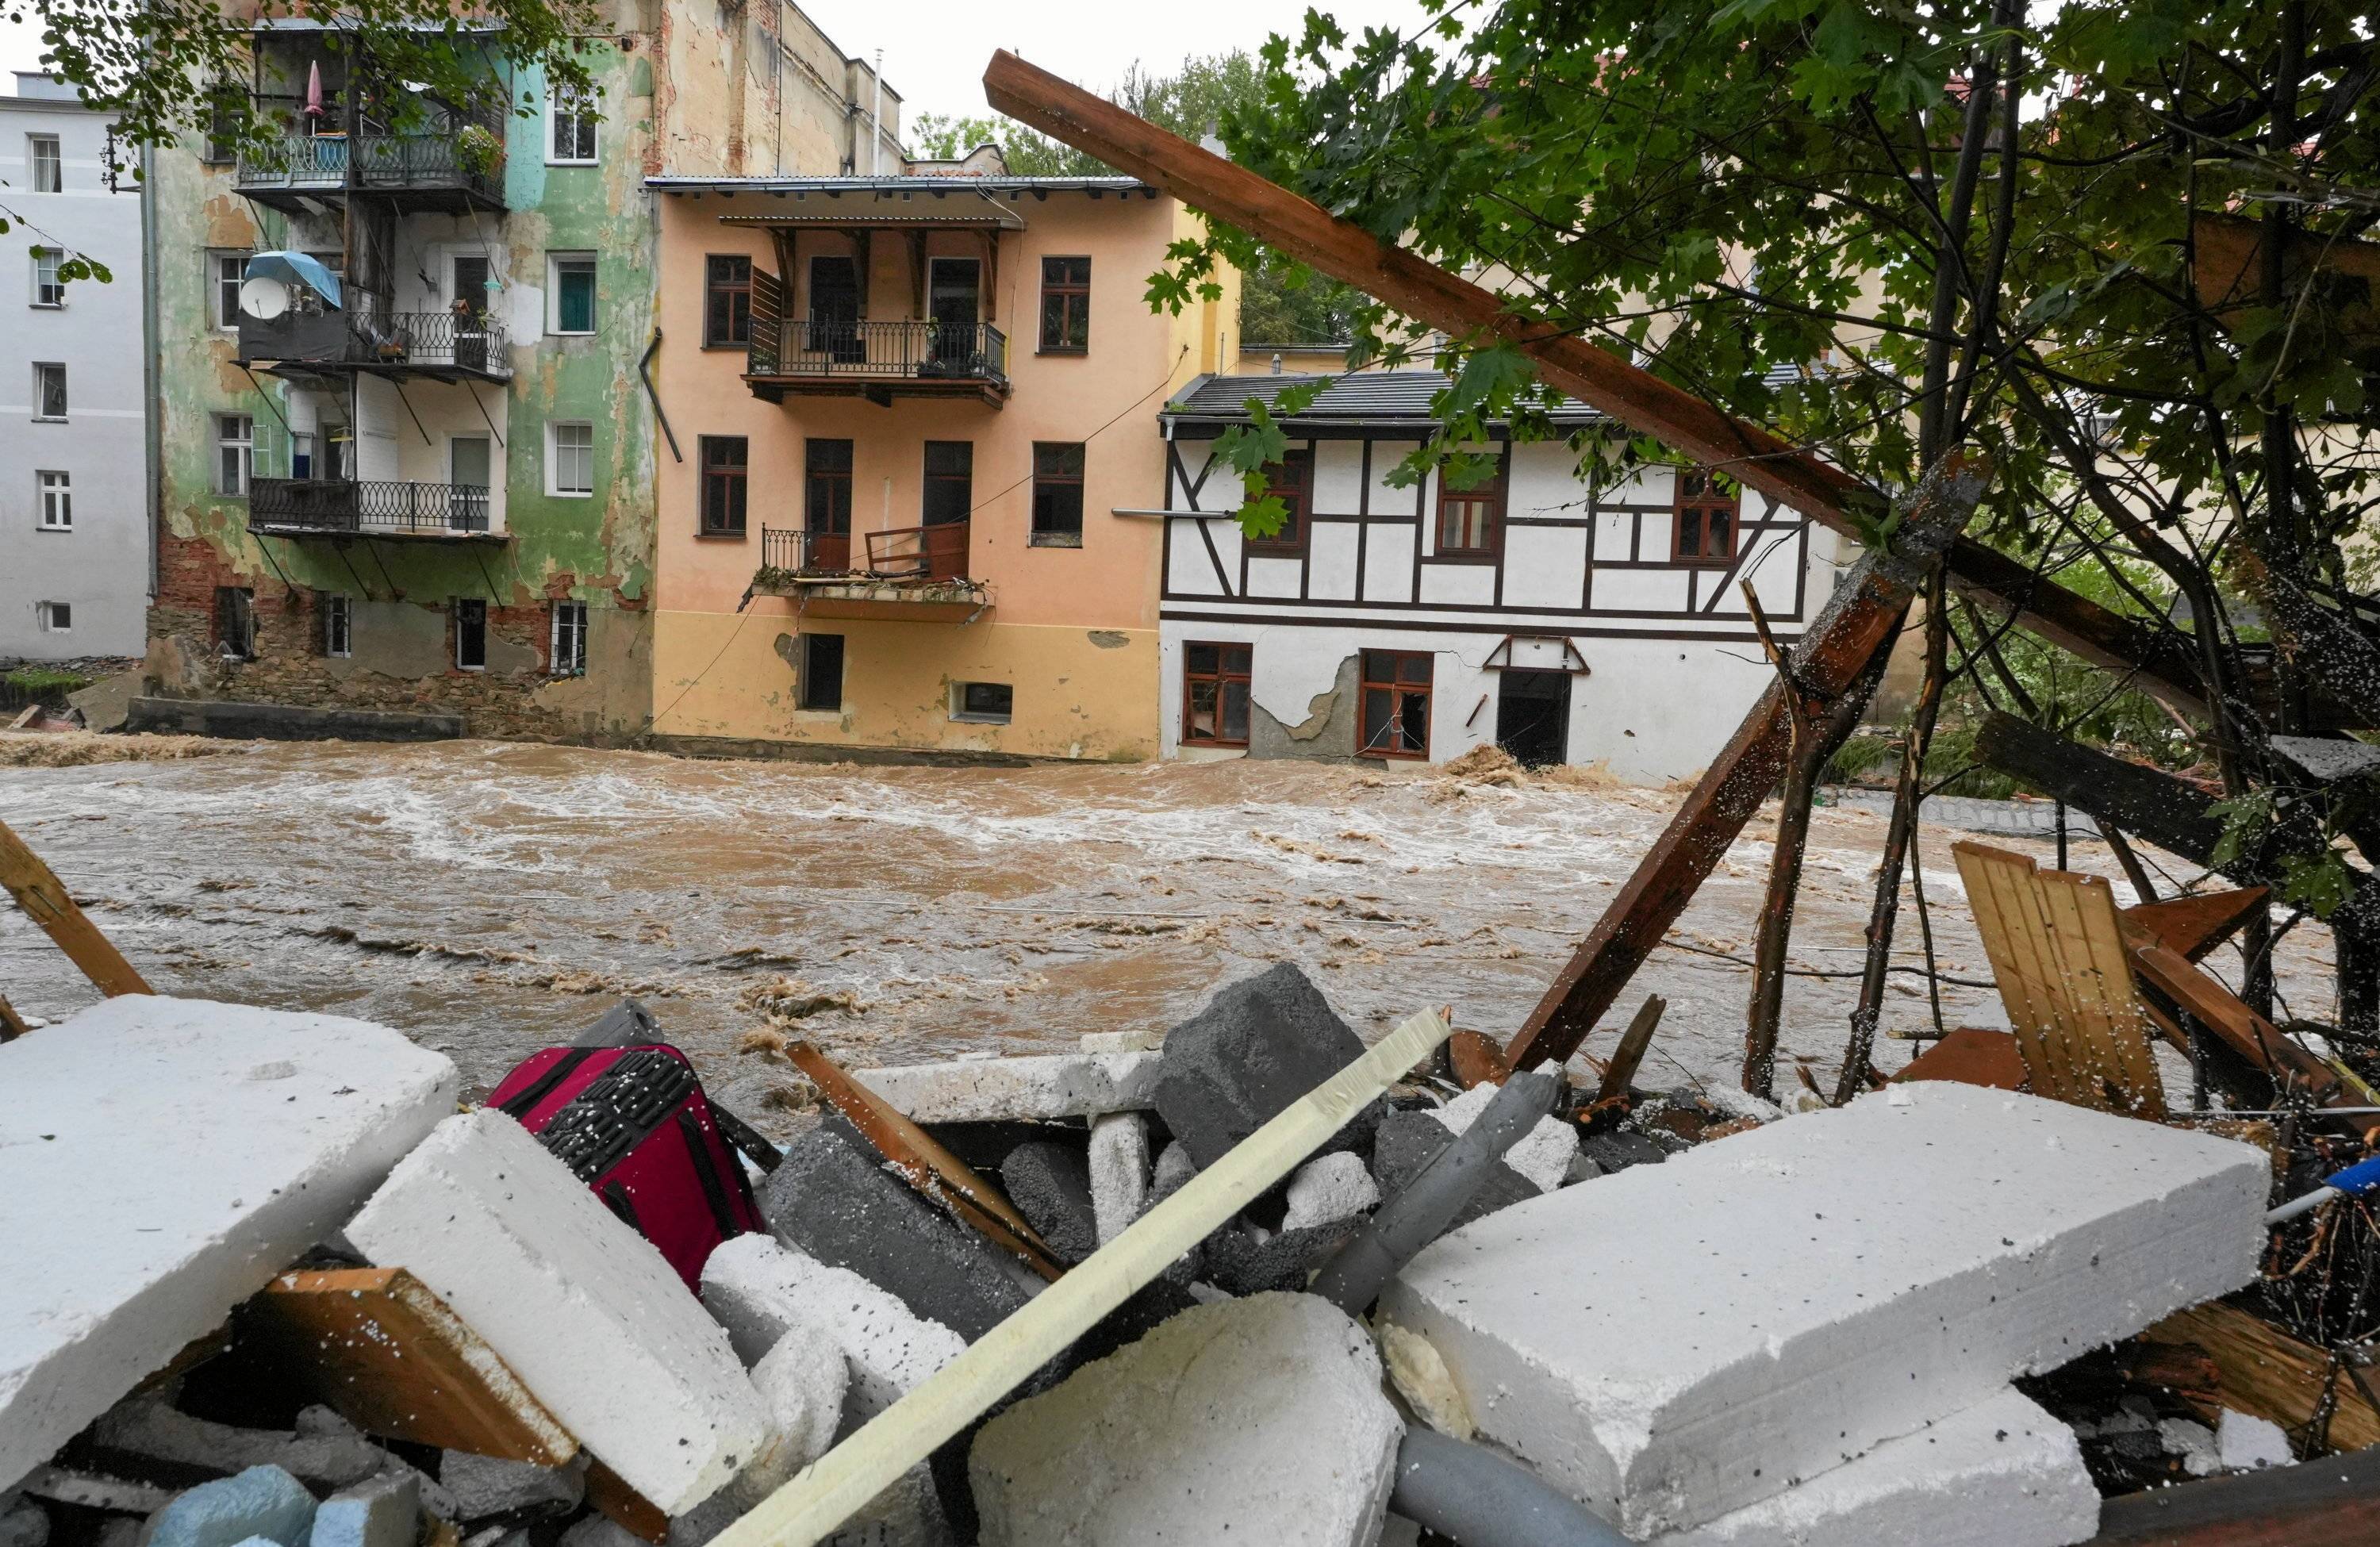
296	268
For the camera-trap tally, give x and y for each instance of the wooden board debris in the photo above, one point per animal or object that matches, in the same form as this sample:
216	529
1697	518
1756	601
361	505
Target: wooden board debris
827	1493
2266	1373
1476	1060
925	1164
380	1349
2191	926
1971	1055
2334	1502
1629	1055
2057	955
2245	1032
44	900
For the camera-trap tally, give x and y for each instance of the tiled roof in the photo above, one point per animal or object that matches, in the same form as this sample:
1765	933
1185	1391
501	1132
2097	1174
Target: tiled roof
1363	397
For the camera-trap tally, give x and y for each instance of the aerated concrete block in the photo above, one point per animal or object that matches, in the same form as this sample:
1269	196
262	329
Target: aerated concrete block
802	1380
590	1316
1118	1168
2246	1444
262	1502
144	1436
837	1201
1050	1185
1257	1046
1255	1420
760	1290
23	1523
1543	1154
1754	1313
487	1486
984	1089
121	1249
1333	1187
384	1512
2002	1473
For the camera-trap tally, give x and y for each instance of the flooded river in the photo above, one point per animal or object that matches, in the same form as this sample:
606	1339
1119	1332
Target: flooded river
491	898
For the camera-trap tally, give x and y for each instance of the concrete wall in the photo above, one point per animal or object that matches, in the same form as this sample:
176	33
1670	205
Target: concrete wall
100	567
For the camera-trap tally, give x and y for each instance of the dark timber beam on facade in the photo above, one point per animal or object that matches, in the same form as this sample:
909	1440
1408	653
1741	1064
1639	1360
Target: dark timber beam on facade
1634	397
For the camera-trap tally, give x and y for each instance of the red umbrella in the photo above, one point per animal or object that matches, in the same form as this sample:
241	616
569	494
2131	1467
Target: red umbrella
314	108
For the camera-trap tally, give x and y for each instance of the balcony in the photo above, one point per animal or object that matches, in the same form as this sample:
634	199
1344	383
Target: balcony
442	158
915	574
368	508
879	361
437	344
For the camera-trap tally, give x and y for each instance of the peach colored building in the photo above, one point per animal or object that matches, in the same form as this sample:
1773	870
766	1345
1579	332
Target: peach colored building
913	494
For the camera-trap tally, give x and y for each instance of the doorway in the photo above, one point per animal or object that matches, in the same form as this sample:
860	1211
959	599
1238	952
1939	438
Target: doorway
1533	716
834	309
469	465
954	305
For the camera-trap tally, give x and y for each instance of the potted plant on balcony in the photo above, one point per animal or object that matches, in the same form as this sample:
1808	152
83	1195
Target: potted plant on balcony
478	150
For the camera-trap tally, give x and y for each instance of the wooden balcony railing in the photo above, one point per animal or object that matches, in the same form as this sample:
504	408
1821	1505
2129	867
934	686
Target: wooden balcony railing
367	508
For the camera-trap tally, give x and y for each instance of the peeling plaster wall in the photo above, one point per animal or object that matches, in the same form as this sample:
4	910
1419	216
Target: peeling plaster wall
1320	729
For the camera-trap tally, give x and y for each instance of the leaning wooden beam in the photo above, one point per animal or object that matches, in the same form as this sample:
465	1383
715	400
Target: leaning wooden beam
1637	397
2331	1502
2145	802
1858	622
43	897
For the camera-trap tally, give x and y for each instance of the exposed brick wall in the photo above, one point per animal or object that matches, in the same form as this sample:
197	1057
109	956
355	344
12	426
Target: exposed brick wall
289	667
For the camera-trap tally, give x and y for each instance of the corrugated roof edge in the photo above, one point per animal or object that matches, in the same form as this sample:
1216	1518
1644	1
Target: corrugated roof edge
922	183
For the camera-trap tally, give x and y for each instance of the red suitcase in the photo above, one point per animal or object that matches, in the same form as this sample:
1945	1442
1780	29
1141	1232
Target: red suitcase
632	1122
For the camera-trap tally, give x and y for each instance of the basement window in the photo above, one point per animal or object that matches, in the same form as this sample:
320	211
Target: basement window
338	624
470	634
568	655
821	685
55	617
982	703
235	622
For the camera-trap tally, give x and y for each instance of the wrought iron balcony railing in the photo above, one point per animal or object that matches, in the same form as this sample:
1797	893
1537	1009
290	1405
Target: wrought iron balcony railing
936	553
440	148
367	508
436	341
882	352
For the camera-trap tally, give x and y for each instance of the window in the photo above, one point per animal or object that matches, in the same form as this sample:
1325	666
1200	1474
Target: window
821	685
1704	530
223	103
572	280
1065	305
1396	703
950	482
568	656
723	462
1288	481
1057	495
56	500
826	494
984	703
55	617
235	622
470	634
338	624
227	269
1215	695
49	169
570	117
49	391
726	303
48	289
570	459
1471	521
235	454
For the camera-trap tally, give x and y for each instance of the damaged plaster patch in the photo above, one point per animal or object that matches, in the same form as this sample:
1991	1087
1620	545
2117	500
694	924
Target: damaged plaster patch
1109	639
785	646
1326	731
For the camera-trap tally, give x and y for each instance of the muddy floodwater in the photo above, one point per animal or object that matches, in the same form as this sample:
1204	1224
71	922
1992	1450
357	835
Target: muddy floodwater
491	898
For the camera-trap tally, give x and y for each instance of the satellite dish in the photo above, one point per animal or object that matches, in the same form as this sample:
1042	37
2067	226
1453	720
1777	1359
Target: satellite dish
263	299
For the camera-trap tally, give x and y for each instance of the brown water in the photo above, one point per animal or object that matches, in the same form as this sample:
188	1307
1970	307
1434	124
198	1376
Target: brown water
491	898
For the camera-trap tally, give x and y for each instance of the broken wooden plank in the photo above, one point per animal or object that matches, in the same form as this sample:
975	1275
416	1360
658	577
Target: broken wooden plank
827	1493
2331	1502
44	900
2266	1373
2058	956
925	1164
381	1349
1970	1055
1476	1060
12	1025
1620	1073
2191	926
2240	1028
1858	620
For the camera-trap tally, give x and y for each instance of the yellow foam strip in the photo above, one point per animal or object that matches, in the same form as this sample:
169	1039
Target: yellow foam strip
837	1485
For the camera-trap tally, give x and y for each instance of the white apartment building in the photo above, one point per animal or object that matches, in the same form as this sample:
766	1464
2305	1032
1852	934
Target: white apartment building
75	528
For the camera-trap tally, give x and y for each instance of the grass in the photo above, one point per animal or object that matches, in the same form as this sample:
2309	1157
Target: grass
45	679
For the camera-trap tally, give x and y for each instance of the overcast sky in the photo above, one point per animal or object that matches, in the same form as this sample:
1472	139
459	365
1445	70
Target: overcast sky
935	50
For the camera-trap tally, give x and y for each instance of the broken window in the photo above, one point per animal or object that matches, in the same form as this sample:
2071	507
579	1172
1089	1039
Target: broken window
1471	521
568	654
989	703
470	634
1288	481
821	684
724	460
338	624
1215	694
1705	531
49	169
1396	686
235	622
1065	305
1057	495
726	302
49	391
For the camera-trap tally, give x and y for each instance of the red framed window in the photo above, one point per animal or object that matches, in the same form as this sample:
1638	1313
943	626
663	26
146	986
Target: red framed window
1065	306
1709	518
1396	689
1215	695
1057	495
726	302
724	463
1471	521
1290	481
